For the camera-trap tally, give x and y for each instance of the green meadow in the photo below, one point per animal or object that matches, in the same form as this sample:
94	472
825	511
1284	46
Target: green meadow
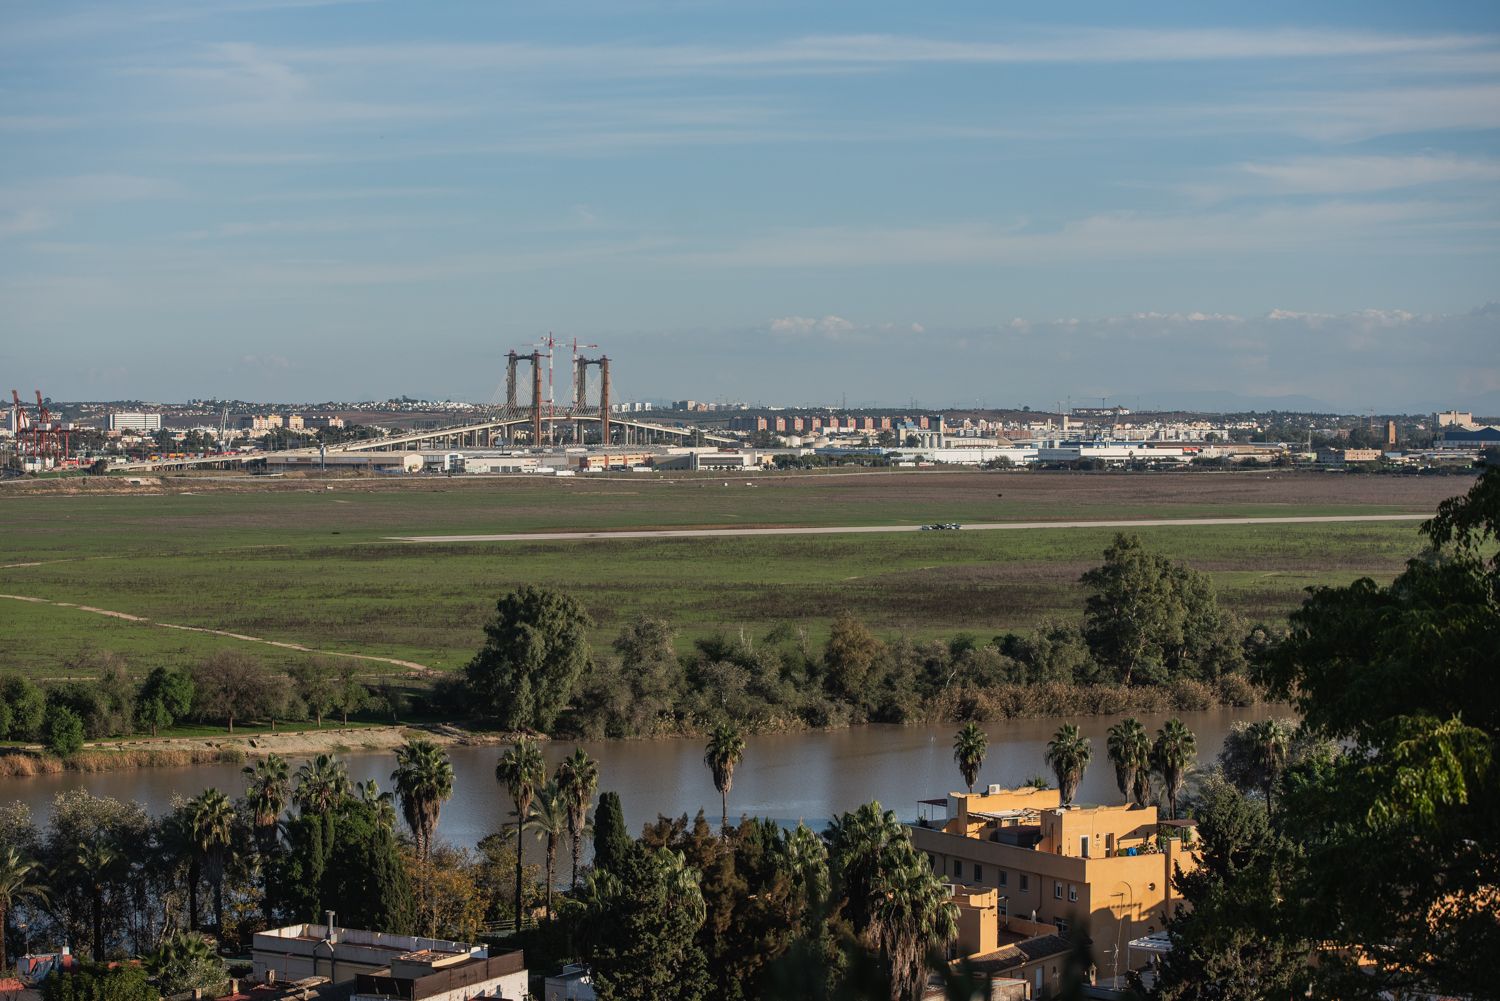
311	562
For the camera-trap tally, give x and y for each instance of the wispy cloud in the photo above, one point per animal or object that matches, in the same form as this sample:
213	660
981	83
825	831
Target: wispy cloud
1346	226
1343	175
820	53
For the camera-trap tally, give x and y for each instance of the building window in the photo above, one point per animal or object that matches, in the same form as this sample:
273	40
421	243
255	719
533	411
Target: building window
1056	891
1003	876
1073	893
1062	925
958	869
1025	882
978	873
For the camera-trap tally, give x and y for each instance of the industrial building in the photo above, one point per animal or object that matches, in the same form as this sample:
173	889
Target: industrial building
374	462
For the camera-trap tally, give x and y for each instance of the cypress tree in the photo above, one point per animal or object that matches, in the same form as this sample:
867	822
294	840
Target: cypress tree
611	842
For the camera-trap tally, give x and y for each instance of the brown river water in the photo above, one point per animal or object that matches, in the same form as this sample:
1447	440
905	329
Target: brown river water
808	776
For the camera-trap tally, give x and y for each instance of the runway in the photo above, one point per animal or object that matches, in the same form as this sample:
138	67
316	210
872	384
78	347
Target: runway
997	526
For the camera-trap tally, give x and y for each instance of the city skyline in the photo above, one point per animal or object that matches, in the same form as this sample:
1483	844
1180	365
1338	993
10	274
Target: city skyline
303	200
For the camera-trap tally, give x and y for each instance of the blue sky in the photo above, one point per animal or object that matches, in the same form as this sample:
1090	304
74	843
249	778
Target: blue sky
989	203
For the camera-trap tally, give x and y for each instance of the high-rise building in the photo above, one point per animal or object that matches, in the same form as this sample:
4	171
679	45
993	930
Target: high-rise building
134	420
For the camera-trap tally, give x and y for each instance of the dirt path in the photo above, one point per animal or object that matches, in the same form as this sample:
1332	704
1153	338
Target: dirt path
717	533
411	667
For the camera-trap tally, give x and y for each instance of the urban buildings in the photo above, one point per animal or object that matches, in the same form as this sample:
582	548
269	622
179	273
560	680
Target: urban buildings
384	966
1108	866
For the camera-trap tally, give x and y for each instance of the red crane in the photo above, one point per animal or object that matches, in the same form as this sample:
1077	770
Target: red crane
43	438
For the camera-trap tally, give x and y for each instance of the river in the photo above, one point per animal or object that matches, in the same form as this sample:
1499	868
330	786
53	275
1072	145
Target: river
807	776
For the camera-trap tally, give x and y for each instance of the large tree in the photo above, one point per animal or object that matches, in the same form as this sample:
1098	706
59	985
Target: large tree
164	697
1172	757
1068	755
424	780
548	820
322	783
230	686
1129	749
1235	941
267	789
969	745
213	836
534	651
522	771
1149	619
611	840
1256	754
893	901
1401	831
578	777
726	748
642	921
850	658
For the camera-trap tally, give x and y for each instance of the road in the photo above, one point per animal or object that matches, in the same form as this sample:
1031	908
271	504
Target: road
729	533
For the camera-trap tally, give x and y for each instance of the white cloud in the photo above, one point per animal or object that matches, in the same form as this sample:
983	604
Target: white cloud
830	326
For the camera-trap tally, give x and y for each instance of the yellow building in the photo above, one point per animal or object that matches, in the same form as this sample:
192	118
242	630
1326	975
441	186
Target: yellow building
1109	865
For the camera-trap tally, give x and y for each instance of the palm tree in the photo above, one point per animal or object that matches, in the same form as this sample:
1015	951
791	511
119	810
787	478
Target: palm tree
522	771
19	880
179	848
911	913
213	830
424	779
969	745
726	748
1130	751
578	777
549	819
368	792
1172	755
93	866
266	791
321	783
864	846
1271	740
1069	754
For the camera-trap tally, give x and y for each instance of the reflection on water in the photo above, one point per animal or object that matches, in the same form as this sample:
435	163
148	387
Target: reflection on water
787	777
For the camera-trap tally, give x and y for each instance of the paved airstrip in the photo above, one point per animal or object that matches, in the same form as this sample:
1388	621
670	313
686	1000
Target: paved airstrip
998	526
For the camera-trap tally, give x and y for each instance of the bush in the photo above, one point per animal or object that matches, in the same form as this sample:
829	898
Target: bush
63	731
1237	690
100	983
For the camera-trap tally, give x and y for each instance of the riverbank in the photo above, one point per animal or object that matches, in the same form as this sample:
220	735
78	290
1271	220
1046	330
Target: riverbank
993	704
162	752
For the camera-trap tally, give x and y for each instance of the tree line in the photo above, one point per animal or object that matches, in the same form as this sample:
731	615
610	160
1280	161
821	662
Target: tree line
1357	855
228	687
1152	631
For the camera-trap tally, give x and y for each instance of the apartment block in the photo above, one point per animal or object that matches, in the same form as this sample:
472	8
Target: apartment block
1111	866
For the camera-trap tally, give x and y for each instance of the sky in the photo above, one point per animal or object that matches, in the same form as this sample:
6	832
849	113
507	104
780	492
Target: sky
1153	204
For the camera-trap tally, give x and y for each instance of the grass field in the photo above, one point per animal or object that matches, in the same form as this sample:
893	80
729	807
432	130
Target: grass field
297	561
